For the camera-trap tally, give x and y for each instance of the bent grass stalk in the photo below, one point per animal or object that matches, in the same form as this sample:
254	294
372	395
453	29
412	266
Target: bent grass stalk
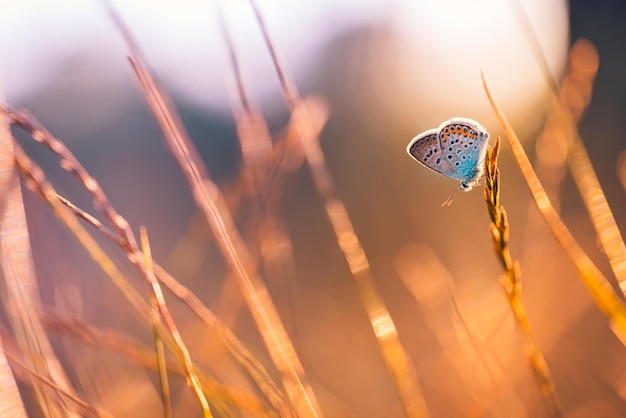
597	285
512	281
396	359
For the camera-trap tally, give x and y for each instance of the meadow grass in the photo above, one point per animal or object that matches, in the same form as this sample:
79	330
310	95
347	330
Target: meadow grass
282	388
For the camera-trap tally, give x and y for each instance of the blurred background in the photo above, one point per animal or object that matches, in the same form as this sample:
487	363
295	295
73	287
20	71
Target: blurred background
384	72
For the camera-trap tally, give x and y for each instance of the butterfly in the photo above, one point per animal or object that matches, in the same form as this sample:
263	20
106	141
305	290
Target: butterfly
456	149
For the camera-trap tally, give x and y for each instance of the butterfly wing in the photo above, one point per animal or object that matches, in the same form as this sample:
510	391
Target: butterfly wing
425	149
463	143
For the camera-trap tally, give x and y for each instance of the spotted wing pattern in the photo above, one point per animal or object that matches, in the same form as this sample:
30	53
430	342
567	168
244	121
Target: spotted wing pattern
456	149
463	144
425	149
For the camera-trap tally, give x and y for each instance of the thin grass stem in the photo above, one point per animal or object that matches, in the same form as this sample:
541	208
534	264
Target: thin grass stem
512	281
155	320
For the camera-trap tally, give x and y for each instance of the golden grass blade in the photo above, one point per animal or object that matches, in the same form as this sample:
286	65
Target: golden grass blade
154	316
211	202
254	368
578	159
396	359
597	285
512	282
21	297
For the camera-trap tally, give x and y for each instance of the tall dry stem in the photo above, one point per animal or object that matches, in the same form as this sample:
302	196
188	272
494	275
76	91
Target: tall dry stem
512	280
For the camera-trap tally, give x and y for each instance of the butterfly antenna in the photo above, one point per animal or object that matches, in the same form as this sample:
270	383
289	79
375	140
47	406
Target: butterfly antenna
450	198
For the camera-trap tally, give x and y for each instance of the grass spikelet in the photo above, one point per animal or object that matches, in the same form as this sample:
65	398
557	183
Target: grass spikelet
511	281
597	285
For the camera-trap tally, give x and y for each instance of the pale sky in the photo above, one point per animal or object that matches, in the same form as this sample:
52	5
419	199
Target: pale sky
181	42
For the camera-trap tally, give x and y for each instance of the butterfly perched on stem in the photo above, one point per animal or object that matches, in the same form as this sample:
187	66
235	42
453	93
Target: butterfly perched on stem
456	149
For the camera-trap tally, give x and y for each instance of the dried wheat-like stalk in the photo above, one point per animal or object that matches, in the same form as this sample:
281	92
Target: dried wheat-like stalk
597	285
512	281
397	360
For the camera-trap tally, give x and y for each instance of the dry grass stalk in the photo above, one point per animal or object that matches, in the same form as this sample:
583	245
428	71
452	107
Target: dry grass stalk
597	285
512	281
22	292
583	57
155	319
396	359
125	236
211	202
